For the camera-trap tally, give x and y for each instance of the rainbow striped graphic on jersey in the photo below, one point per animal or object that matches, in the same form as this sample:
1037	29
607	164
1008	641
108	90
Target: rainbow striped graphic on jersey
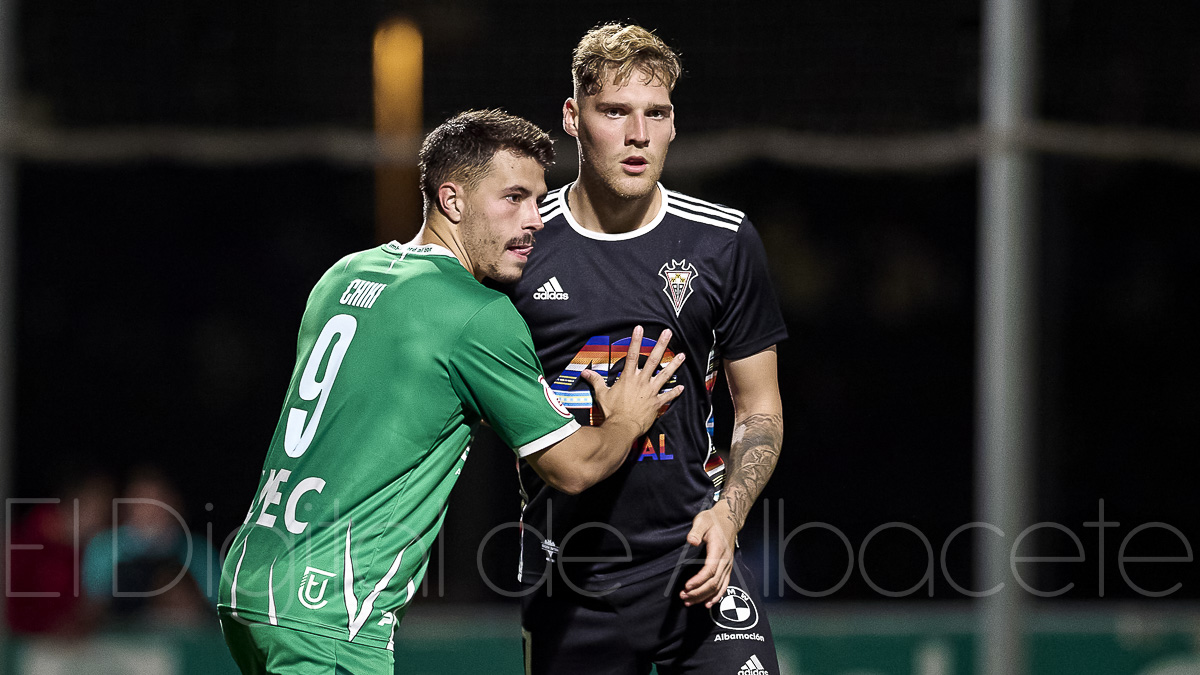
603	357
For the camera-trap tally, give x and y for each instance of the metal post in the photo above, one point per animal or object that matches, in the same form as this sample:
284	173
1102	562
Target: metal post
1006	322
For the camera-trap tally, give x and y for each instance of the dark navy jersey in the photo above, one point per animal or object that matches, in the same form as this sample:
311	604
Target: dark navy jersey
697	268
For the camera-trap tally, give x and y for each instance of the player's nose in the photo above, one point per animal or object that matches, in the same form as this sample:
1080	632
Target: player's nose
635	130
533	217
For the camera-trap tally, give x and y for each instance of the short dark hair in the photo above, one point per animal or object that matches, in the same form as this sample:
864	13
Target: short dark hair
462	147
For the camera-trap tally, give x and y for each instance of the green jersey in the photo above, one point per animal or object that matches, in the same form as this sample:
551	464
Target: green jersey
401	354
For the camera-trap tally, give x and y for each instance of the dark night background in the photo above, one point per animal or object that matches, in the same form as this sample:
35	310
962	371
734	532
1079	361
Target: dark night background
158	300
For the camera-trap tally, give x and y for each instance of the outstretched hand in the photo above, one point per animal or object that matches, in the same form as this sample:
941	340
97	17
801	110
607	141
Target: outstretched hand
637	396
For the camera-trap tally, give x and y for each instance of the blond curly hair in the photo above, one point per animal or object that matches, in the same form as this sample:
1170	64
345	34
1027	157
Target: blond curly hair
618	50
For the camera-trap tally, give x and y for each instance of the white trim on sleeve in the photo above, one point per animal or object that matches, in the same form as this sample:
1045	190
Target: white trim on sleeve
549	439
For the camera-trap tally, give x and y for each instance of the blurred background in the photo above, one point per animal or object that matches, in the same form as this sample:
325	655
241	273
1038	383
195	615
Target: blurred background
177	176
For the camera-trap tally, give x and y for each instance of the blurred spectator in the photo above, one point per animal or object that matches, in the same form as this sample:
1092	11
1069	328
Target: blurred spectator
150	566
44	594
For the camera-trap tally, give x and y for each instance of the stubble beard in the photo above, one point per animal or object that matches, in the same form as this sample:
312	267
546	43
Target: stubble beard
506	275
611	178
490	253
629	188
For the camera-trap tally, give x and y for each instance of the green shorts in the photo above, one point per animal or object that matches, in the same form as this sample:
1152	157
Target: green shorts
261	649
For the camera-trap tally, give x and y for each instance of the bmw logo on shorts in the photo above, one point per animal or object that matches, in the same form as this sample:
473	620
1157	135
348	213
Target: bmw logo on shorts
736	611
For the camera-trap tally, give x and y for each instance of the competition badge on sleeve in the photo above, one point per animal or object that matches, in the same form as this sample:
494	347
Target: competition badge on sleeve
558	406
678	275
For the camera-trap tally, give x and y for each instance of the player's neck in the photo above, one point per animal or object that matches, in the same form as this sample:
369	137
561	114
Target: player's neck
597	209
440	234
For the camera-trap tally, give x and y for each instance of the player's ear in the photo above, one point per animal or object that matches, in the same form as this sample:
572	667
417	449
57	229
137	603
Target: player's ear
450	201
571	117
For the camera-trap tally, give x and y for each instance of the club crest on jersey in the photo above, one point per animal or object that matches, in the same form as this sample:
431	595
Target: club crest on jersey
679	275
312	596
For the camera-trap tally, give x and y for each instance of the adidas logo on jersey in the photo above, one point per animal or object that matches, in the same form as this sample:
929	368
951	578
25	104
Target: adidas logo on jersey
753	667
551	291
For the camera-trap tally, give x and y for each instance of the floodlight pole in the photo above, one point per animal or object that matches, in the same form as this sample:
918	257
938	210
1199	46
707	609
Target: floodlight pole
8	260
1006	370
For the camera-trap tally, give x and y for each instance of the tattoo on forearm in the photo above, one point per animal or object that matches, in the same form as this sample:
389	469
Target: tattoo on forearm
752	457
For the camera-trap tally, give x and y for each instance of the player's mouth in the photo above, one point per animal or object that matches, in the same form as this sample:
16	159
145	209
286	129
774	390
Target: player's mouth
634	165
521	248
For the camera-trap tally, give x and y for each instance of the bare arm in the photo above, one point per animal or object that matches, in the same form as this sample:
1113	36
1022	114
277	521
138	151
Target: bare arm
757	431
630	406
753	452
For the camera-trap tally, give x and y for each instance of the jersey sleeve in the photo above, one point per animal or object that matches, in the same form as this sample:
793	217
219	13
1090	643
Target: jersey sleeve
750	319
498	377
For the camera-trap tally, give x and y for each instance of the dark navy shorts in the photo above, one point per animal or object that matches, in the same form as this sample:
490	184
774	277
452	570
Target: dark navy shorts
643	622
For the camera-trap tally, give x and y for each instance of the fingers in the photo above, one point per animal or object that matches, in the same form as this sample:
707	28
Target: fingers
646	375
633	356
700	586
697	588
668	371
595	379
660	348
696	536
705	594
663	377
720	589
635	350
708	585
668	396
702	578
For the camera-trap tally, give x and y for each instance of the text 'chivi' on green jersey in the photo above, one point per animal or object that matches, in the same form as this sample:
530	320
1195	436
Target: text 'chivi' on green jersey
401	353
